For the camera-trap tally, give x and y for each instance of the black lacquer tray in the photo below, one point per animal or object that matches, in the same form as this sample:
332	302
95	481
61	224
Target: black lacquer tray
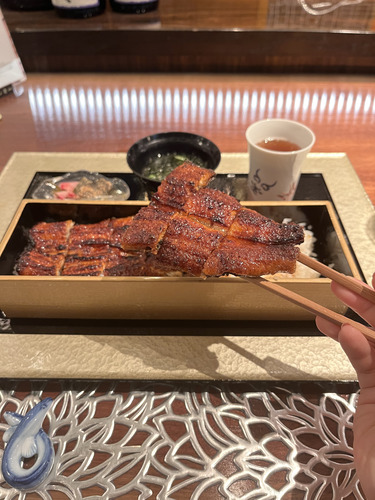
310	187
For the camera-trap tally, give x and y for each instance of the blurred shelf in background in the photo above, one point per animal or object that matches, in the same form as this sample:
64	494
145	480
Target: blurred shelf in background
203	36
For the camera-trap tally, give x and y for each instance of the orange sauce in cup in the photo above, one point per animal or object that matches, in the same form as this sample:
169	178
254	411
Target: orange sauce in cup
278	145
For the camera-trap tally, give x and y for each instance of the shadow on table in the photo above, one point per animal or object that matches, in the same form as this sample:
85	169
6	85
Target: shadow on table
192	357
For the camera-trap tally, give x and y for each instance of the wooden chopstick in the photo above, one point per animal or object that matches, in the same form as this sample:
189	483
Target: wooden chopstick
309	305
351	284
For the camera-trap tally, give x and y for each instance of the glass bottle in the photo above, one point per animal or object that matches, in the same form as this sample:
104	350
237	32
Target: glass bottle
26	4
134	6
79	8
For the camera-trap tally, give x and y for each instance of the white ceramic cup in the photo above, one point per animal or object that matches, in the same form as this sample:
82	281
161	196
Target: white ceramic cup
274	175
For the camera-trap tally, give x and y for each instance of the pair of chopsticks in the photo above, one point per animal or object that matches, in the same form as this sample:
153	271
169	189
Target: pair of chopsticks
317	309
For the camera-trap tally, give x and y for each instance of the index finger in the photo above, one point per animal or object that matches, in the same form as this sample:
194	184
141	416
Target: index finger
359	304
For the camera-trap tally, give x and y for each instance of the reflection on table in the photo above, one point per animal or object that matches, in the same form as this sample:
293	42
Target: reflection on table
214	439
108	113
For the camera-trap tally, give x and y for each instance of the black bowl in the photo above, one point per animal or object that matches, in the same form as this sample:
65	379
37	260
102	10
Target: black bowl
182	143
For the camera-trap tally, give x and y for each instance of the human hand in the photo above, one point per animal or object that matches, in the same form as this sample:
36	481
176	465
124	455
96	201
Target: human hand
361	354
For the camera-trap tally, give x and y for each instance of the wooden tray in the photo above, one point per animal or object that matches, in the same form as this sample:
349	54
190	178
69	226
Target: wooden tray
181	298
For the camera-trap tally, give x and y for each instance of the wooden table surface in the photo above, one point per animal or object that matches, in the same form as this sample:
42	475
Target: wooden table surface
107	113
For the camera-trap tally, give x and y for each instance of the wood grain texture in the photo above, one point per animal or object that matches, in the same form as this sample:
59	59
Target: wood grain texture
108	112
224	35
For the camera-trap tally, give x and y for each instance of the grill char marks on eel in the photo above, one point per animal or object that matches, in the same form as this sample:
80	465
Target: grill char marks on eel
200	231
48	249
69	249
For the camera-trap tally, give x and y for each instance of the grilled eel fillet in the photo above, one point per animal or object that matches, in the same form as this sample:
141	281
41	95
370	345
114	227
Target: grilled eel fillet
65	248
187	228
203	232
49	246
69	249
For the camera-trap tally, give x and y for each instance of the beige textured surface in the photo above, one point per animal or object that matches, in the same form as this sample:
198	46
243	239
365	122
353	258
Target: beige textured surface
165	357
162	357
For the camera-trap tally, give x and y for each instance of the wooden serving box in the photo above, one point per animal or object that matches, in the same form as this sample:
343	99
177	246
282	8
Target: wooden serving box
229	298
